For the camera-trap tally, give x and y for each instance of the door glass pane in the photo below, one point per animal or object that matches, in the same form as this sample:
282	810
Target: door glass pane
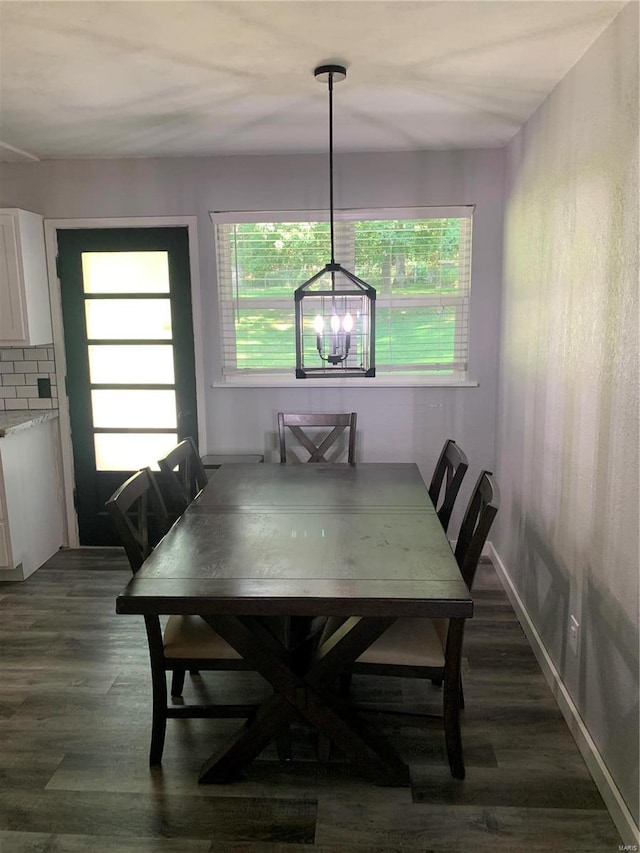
129	452
132	319
112	365
134	409
125	272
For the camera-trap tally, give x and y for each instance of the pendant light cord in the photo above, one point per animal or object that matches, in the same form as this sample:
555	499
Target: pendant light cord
333	260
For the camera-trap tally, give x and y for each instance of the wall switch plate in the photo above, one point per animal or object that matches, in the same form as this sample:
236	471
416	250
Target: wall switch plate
574	634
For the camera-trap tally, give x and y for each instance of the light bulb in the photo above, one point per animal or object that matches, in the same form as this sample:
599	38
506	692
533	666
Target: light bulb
335	323
318	324
347	322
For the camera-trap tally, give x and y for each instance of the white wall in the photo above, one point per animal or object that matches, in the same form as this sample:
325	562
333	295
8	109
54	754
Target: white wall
567	443
394	424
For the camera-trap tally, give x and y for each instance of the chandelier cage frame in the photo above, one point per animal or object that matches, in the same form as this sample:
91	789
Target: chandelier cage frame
334	309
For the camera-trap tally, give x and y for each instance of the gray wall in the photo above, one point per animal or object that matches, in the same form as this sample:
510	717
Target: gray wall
567	441
394	423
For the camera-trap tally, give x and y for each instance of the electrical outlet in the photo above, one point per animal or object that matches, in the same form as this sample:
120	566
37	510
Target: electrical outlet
574	634
44	388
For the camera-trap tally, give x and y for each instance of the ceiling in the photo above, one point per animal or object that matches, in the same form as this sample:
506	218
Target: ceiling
178	79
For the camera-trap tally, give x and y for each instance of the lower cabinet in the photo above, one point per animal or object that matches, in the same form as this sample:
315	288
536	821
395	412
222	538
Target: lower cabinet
31	500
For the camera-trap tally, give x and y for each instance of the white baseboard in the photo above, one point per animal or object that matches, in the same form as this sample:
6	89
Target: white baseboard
603	779
16	574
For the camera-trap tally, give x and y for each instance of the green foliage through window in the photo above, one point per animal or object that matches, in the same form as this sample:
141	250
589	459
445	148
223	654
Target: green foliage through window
419	267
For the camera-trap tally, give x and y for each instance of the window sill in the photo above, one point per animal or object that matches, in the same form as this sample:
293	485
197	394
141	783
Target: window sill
353	382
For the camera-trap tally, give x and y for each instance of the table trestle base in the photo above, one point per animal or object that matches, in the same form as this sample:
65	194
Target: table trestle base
304	689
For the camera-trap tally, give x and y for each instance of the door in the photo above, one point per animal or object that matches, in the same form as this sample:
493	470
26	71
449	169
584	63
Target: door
126	306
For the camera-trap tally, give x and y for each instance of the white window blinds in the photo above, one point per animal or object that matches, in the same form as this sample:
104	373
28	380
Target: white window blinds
419	263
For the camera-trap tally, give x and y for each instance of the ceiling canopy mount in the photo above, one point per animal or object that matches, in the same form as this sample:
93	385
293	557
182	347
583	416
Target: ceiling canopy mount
330	73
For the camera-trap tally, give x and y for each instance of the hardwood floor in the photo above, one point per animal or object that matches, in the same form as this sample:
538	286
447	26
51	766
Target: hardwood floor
75	726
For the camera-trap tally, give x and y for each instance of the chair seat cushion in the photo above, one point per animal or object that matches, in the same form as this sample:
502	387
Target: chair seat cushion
191	637
410	642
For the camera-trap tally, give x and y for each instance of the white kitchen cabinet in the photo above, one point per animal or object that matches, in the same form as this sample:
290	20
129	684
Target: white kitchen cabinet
25	313
31	499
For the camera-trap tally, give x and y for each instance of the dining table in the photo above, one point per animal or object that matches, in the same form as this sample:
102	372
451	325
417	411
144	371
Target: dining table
263	544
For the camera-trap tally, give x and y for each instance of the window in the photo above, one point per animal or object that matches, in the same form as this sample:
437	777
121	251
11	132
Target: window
419	261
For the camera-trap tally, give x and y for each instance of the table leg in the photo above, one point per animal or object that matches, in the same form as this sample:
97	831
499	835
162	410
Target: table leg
308	693
248	742
366	748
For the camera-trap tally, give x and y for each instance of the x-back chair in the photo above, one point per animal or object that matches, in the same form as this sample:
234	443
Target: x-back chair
447	479
432	648
184	474
188	642
304	428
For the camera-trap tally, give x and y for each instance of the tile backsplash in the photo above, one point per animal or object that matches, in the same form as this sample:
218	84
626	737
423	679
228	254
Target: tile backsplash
20	369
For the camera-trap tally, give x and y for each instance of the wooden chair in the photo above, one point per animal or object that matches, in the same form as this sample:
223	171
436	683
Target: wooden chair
188	642
450	470
183	473
317	445
432	648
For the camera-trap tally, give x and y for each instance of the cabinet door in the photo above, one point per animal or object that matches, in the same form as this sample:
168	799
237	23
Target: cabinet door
13	327
25	315
6	554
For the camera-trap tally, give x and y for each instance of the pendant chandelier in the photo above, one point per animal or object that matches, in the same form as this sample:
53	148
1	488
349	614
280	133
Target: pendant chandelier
335	310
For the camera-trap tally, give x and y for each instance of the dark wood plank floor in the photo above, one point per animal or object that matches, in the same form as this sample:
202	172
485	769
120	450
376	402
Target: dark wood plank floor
74	738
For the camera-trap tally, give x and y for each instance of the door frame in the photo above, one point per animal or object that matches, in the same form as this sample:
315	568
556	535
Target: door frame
55	296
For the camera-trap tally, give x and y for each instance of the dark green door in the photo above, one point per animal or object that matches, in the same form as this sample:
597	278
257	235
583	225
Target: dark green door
126	305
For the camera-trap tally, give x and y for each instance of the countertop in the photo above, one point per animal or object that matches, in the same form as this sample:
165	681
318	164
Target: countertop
21	419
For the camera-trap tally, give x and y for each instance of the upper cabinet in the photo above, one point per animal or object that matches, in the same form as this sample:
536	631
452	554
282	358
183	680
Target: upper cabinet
25	314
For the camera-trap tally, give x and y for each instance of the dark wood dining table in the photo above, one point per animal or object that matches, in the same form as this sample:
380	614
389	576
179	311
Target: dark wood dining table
359	541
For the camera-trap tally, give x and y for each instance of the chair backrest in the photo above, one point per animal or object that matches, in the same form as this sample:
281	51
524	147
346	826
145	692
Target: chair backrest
140	516
316	444
478	518
450	470
184	473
